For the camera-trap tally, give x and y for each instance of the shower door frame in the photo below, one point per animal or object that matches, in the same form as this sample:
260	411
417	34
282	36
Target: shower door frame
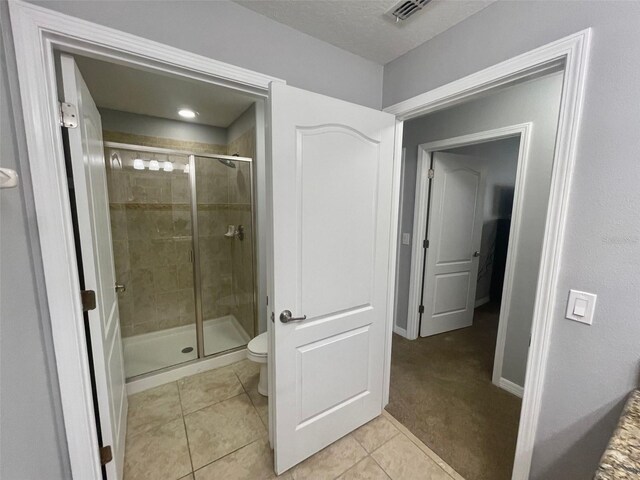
197	277
195	244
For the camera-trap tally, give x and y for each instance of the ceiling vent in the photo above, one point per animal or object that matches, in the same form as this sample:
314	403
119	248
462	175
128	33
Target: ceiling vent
405	9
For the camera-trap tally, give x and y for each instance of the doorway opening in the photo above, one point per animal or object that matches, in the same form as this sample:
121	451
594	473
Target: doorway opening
482	173
161	172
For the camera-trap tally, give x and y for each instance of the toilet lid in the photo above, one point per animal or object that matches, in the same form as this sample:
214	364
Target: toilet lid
258	346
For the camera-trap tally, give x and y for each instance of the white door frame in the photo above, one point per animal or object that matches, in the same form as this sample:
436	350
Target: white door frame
573	53
523	131
37	32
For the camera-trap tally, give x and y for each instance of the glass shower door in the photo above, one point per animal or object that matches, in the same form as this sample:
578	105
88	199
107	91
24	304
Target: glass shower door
150	206
224	251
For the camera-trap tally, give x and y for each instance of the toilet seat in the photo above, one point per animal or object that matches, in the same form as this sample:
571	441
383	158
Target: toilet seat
257	348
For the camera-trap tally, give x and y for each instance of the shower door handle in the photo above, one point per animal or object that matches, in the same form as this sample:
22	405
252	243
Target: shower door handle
286	316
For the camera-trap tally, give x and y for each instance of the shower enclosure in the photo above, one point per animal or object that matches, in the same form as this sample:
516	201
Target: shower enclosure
183	242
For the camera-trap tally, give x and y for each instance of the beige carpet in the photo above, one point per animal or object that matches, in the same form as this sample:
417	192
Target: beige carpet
441	391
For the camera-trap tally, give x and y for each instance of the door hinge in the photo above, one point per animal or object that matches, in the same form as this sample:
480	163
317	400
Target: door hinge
421	309
68	115
267	299
425	244
273	317
430	173
105	455
88	300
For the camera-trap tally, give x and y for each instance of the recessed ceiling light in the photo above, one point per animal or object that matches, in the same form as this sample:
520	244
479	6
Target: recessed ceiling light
187	113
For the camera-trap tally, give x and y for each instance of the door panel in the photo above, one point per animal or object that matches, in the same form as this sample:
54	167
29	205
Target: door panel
331	178
455	227
338	167
458	207
94	229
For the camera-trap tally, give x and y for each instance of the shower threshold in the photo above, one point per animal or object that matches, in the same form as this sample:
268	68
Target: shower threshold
148	352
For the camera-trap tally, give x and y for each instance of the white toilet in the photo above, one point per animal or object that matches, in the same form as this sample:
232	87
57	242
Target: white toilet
257	352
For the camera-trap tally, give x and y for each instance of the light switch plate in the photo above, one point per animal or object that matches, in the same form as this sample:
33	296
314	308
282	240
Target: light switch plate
581	306
406	239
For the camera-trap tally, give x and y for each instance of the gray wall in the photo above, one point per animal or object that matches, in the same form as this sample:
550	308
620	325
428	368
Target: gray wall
241	124
591	369
32	441
501	160
536	101
230	33
117	121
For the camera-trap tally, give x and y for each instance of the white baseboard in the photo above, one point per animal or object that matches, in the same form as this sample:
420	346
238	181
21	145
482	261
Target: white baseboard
482	301
511	387
400	331
168	376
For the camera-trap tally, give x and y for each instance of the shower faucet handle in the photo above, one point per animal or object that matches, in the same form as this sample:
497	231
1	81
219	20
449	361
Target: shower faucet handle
120	288
286	316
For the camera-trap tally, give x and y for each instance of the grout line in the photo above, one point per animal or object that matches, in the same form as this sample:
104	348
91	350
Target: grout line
227	454
384	443
378	463
133	435
186	432
251	400
448	469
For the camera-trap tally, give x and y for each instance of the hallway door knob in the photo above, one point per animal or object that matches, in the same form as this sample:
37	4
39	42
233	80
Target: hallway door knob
476	253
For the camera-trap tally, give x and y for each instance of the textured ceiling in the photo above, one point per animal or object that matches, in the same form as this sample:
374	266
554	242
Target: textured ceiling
361	26
138	91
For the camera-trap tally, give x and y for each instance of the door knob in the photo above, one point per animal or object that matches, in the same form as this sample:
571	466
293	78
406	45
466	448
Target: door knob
286	317
476	253
120	288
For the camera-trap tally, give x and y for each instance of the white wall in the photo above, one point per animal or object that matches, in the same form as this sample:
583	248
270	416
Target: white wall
501	160
591	369
230	33
536	101
32	440
136	124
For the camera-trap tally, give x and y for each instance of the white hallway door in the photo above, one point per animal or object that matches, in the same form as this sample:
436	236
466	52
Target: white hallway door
92	204
331	184
454	233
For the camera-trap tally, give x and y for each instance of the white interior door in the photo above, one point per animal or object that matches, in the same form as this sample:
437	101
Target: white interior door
92	205
331	188
454	233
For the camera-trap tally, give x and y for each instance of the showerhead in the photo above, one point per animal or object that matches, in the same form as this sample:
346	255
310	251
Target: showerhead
227	162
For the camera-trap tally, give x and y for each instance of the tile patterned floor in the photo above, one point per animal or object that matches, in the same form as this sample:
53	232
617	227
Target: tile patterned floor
213	425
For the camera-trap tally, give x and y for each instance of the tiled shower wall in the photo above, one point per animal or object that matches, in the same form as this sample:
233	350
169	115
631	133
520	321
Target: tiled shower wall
151	228
242	252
